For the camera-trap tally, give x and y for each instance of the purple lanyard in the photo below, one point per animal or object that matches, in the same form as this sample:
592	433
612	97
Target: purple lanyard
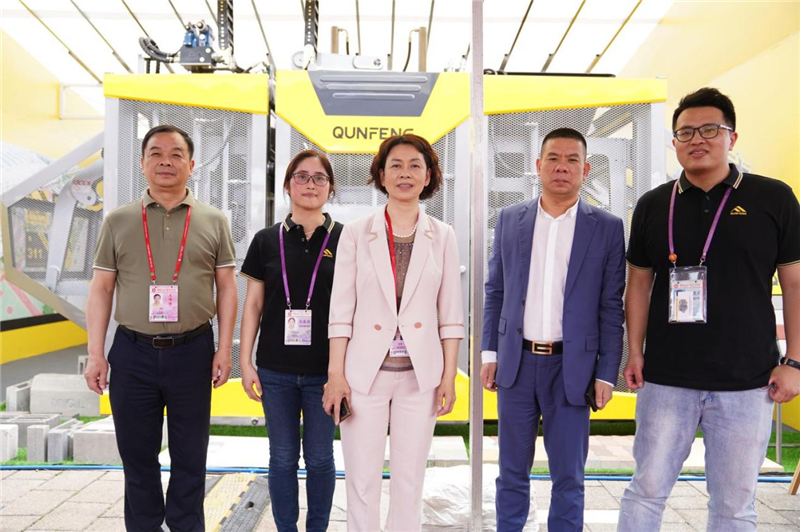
313	275
672	256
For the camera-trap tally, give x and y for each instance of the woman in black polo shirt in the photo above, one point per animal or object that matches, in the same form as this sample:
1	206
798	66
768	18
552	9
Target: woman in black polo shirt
289	271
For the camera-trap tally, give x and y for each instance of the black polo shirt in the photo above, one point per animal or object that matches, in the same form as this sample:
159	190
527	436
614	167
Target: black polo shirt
758	230
263	264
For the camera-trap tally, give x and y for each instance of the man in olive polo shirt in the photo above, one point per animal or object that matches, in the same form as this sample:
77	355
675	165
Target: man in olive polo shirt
703	250
170	245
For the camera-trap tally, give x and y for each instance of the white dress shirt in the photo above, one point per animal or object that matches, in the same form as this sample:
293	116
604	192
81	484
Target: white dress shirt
547	278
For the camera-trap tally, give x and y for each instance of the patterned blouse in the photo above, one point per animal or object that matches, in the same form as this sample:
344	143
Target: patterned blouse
402	249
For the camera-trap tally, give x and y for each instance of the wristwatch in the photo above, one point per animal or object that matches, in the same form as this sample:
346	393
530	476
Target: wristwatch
790	362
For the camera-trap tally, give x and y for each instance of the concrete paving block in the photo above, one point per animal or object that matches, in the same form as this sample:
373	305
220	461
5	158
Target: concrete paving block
18	397
37	502
449	451
23	420
72	480
32	474
14	489
116	510
83	360
107	491
70	516
17	523
96	443
37	443
60	441
63	394
108	524
9	442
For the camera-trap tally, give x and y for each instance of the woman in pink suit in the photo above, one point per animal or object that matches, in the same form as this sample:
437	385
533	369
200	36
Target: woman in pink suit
395	323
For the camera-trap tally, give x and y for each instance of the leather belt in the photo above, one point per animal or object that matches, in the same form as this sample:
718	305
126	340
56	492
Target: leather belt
163	341
543	348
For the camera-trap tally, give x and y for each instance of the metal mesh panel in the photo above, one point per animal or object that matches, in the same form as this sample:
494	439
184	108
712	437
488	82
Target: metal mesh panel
221	176
53	232
618	151
351	171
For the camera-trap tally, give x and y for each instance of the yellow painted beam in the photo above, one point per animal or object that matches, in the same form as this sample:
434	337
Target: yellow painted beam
27	342
517	94
242	93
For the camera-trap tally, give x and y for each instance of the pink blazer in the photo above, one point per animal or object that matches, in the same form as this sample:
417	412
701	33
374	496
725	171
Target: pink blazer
364	308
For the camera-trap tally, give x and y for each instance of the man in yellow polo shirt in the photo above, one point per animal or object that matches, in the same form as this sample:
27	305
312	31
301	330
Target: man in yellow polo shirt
163	255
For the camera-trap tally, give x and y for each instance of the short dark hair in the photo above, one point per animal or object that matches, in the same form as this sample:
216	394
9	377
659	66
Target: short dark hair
565	133
168	128
706	97
308	154
423	147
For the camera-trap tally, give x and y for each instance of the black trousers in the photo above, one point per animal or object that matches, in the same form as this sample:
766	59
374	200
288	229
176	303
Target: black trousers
145	380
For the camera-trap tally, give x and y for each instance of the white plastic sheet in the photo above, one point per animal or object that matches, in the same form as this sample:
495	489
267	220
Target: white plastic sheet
446	499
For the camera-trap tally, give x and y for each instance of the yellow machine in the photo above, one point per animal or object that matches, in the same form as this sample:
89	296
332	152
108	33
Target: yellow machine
255	127
247	127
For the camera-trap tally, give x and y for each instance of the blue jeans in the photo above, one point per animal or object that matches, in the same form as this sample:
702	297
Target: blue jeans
736	429
285	395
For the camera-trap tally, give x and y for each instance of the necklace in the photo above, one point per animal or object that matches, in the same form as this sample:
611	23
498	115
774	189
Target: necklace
404	236
309	233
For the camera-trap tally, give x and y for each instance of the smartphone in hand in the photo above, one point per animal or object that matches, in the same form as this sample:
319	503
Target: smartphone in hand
344	410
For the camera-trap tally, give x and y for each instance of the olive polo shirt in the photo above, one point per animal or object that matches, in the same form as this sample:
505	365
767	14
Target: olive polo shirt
758	231
121	248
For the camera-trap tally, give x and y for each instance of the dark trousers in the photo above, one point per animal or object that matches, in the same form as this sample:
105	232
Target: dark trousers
538	393
145	380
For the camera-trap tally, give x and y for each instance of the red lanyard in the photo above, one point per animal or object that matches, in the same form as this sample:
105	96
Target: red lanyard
150	251
391	249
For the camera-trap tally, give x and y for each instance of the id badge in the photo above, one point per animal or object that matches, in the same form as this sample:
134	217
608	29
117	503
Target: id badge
688	294
297	327
399	348
163	303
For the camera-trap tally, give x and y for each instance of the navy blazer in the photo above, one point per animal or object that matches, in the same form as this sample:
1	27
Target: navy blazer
593	315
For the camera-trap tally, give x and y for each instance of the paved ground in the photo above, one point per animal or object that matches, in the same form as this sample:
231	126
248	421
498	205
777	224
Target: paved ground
92	500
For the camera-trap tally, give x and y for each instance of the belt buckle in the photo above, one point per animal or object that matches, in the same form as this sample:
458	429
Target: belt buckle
543	348
161	342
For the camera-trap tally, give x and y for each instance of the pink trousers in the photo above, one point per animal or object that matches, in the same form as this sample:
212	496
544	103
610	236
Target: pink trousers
394	399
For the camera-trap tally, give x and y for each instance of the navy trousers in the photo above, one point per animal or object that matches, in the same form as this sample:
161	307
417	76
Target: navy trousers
145	380
538	393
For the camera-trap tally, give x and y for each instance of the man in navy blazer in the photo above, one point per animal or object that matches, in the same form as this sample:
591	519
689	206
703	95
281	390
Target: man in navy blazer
552	329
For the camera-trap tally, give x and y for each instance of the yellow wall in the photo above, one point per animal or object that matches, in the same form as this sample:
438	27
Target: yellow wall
748	50
29	106
766	92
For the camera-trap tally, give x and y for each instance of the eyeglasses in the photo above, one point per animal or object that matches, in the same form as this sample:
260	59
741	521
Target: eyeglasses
319	179
707	131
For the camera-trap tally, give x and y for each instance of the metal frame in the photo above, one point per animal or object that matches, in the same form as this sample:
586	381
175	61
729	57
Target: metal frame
461	220
62	90
110	156
478	210
257	170
52	171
